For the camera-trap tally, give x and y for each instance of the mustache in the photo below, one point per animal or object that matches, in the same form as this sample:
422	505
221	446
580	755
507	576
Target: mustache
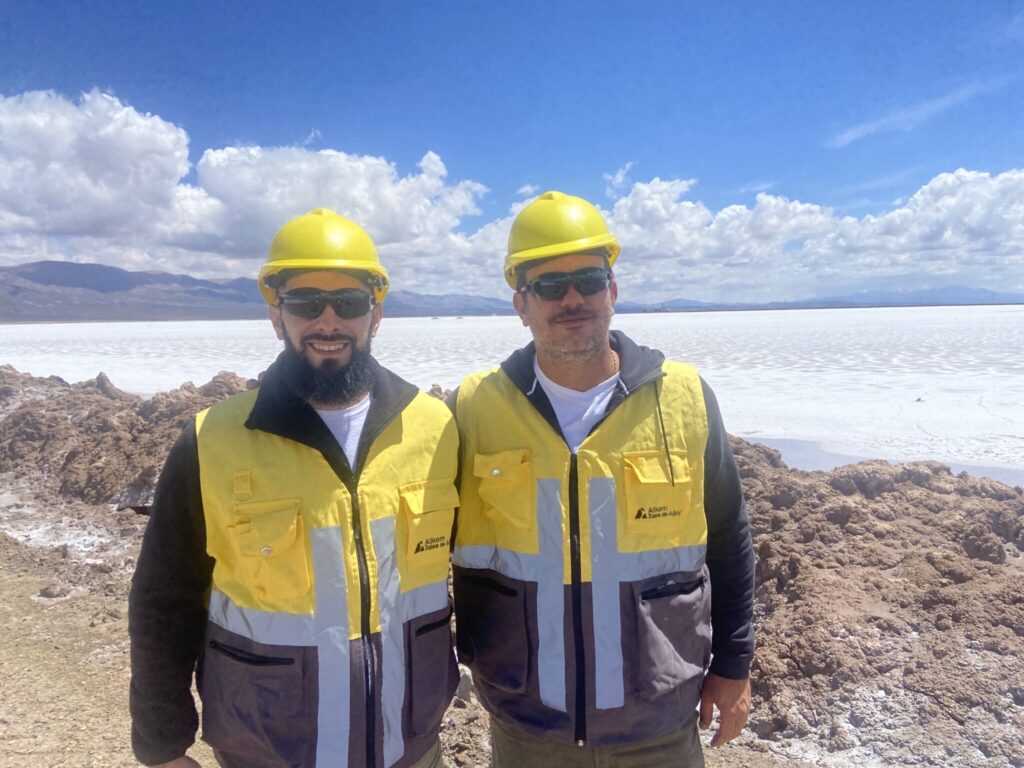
574	313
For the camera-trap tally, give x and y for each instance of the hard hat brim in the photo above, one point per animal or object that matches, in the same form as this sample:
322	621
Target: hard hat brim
310	265
515	260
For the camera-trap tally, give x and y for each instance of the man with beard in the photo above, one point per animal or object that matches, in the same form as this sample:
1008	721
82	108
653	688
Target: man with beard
296	556
601	534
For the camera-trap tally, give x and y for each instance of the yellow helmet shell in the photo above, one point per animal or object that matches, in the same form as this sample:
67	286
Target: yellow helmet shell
321	239
556	224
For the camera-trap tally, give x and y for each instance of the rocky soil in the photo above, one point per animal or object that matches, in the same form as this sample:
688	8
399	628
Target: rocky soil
890	601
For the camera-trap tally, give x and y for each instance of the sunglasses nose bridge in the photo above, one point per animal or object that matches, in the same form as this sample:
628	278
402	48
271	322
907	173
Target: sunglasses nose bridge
572	294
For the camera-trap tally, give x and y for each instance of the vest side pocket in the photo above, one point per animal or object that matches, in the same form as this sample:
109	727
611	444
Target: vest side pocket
491	636
258	700
424	531
673	633
432	672
272	561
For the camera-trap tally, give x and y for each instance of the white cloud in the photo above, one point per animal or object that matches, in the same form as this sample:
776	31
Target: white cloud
528	190
963	228
95	167
616	182
674	247
96	180
964	224
909	118
263	187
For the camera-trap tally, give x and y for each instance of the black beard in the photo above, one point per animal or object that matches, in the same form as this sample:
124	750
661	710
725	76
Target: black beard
330	384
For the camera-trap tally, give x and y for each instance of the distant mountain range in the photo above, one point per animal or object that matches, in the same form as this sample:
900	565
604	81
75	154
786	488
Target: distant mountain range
58	291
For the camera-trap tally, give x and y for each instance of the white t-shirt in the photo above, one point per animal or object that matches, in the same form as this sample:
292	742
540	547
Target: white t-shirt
577	412
346	424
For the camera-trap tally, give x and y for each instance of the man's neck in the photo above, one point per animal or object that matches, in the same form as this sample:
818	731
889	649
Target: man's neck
580	375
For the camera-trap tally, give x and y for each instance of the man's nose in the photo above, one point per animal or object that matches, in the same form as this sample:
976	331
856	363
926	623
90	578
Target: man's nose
330	317
572	298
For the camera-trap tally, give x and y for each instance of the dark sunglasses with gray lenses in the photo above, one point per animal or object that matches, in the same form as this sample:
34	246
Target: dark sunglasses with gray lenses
552	286
309	304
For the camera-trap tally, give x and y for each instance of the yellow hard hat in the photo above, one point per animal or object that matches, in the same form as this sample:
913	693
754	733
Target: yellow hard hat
556	224
321	239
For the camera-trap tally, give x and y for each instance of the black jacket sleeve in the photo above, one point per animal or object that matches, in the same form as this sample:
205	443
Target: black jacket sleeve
730	557
167	610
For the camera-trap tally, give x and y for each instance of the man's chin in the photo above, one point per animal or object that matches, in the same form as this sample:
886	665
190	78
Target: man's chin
576	350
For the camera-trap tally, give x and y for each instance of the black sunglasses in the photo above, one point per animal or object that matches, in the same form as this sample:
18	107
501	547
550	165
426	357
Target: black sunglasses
554	285
309	303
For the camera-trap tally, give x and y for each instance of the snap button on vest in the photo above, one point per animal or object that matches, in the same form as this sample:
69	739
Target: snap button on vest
495	472
266	551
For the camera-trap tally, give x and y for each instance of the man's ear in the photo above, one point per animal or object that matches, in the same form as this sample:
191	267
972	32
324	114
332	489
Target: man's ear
275	320
376	316
519	302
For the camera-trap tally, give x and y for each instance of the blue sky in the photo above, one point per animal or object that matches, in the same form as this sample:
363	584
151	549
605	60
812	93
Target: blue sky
884	139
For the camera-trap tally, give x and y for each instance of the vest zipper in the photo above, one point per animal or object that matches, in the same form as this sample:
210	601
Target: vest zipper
577	604
368	660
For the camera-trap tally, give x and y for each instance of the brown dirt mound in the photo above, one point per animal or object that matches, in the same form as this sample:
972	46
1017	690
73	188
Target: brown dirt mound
890	611
91	441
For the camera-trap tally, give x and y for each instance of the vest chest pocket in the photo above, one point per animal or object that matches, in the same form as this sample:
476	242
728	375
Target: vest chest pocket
509	494
655	505
271	542
425	529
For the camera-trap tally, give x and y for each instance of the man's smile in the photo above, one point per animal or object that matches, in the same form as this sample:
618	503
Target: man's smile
328	346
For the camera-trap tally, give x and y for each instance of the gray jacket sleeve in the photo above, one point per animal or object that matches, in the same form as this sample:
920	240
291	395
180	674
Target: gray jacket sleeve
730	557
167	610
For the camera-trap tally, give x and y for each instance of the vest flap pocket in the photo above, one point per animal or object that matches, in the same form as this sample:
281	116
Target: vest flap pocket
507	488
273	565
267	528
657	509
428	514
500	465
652	467
428	496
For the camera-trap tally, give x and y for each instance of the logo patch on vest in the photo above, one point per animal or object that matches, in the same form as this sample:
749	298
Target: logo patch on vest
433	542
653	513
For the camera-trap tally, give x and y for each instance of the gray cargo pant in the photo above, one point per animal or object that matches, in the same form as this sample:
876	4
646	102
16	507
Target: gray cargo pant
513	749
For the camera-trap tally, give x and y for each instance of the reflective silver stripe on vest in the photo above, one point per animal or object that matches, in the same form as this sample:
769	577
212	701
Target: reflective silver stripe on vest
396	608
327	629
546	569
608	568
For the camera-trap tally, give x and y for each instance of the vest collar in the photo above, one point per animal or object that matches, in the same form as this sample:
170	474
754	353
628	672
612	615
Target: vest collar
281	412
638	366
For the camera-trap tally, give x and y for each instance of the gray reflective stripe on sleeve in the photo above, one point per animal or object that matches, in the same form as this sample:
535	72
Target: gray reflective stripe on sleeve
608	568
327	629
396	608
546	569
